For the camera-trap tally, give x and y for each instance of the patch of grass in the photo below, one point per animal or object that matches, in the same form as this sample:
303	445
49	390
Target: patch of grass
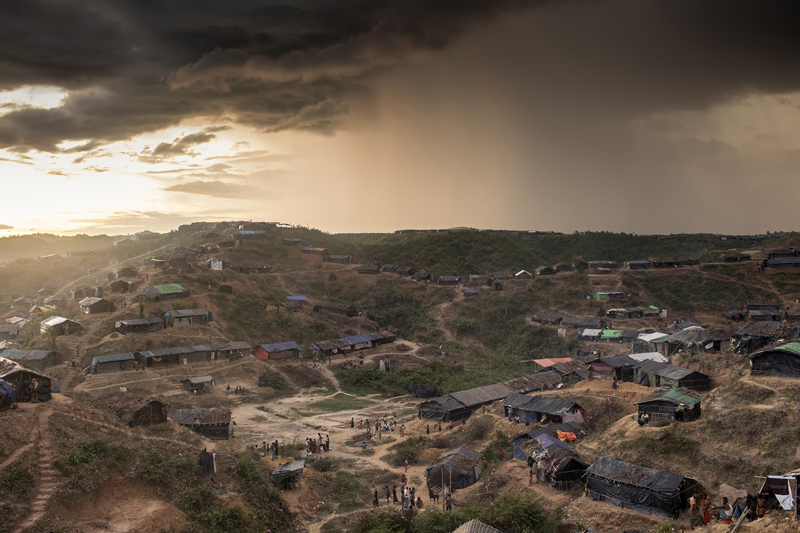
500	441
348	491
339	402
323	463
258	418
407	450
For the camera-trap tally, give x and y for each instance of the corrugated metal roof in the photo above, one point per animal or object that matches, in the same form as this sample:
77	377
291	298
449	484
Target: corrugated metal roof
281	346
650	356
114	358
550	406
90	301
201	379
356	339
139	321
473	526
183	313
674	372
25	355
477	396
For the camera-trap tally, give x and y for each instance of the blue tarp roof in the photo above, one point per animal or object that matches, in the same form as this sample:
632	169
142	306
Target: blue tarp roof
355	339
548	441
298	298
282	346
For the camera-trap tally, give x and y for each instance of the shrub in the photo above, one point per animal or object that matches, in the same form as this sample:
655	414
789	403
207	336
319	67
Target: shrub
407	450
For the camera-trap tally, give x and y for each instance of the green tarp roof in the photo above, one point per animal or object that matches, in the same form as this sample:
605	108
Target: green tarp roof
610	334
793	347
654	307
169	288
680	395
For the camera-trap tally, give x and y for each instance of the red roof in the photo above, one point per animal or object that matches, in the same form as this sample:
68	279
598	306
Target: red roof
546	363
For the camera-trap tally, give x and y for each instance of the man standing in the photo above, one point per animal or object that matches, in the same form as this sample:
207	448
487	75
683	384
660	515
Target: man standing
34	391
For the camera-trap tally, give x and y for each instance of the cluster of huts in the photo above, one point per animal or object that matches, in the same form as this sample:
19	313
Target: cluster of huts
186	355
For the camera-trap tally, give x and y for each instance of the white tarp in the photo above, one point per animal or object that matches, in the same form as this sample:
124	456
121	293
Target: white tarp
781	487
591	333
650	337
650	356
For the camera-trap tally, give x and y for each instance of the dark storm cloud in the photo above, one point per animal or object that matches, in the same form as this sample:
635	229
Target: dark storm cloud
134	67
139	67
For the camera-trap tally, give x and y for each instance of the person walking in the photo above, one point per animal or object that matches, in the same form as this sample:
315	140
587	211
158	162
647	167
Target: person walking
394	494
352	423
406	464
388	493
427	429
375	500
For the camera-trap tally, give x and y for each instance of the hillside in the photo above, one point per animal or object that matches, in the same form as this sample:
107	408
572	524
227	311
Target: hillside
488	338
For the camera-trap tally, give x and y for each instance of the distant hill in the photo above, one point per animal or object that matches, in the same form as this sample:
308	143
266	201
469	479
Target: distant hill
45	243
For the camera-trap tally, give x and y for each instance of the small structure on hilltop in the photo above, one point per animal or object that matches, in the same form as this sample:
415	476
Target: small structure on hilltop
293	242
665	406
169	291
537	409
281	350
561	466
460	405
457	469
581	322
105	364
340	259
781	361
471	293
199	384
448	280
214	424
8	332
285	476
562	267
123	285
753	336
20	377
535	382
421	276
139	325
554	431
35	359
187	317
636	265
545	270
639	488
405	271
603	265
133	409
225	289
59	325
316	251
547	317
608	295
127	272
693	339
92	304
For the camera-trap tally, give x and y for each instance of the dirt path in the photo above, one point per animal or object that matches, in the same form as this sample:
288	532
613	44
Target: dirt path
439	312
46	476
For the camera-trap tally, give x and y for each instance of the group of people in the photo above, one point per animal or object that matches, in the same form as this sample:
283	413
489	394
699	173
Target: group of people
702	512
318	445
408	496
272	449
238	390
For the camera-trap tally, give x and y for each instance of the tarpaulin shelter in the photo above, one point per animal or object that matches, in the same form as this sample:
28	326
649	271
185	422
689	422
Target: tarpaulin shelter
534	409
778	361
460	405
581	322
287	474
753	336
671	405
139	325
675	376
207	463
589	334
133	409
783	488
458	469
622	366
214	424
693	339
562	466
20	377
569	427
608	295
636	487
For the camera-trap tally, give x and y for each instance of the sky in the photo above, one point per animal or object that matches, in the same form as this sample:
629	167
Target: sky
640	116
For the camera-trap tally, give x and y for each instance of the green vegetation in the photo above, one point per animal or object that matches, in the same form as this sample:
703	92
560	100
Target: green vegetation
348	491
519	512
500	441
88	463
339	402
689	290
16	487
407	450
